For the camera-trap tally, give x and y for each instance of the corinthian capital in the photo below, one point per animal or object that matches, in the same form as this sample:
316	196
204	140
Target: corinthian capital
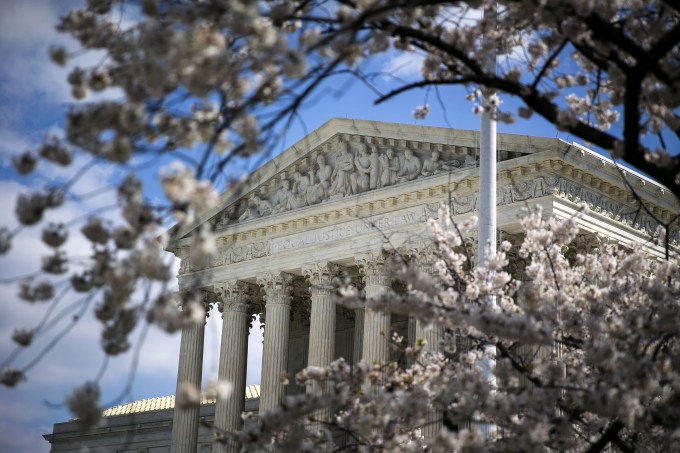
233	296
424	255
276	286
374	268
199	297
321	275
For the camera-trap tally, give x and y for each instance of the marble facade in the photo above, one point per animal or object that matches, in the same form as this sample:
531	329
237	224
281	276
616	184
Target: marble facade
335	204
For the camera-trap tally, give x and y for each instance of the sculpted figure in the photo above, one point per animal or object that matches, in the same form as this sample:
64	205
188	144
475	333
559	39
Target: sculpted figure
470	161
431	165
318	191
324	173
284	199
435	165
341	183
411	168
361	178
301	185
264	207
375	168
390	167
249	213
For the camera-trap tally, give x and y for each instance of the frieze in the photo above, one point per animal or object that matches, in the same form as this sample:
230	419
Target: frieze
245	252
506	194
631	216
226	255
349	229
567	189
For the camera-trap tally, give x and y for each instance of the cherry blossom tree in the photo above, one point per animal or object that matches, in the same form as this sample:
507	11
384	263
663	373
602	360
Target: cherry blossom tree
586	354
205	83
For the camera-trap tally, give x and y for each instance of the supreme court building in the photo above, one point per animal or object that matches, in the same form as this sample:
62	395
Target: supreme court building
337	203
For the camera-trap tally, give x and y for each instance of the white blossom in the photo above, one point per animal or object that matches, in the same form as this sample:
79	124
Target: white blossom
124	237
54	234
24	163
148	261
54	150
166	314
96	231
22	337
84	405
421	112
10	377
188	396
41	291
5	240
58	55
82	282
217	390
57	263
30	208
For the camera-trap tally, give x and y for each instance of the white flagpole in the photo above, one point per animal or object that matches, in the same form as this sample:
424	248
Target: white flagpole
486	228
487	162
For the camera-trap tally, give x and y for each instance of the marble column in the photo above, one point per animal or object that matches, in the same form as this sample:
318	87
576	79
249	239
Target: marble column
322	323
358	334
431	334
275	351
322	319
411	339
377	324
233	360
425	258
189	372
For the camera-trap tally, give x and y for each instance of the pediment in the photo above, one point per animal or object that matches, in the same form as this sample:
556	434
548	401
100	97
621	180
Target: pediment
344	158
313	196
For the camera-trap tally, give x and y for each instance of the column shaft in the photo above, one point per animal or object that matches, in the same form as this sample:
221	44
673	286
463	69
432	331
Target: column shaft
377	325
322	318
232	367
185	420
322	325
411	338
432	335
322	330
274	355
358	334
275	350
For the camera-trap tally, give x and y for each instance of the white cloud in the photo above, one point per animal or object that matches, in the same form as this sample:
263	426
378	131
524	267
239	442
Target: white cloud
29	78
26	32
16	437
403	65
11	143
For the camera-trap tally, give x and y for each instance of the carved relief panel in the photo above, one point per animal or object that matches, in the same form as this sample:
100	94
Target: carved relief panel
346	166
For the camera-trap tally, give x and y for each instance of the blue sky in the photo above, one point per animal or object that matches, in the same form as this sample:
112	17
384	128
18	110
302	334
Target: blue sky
33	98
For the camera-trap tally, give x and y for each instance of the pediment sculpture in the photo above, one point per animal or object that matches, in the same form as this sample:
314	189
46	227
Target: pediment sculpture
343	169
